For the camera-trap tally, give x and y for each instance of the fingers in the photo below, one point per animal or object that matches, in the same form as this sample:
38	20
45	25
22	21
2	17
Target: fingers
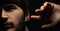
42	8
38	10
35	16
54	20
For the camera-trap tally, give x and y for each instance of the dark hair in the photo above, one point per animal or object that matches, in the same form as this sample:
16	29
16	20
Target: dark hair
21	3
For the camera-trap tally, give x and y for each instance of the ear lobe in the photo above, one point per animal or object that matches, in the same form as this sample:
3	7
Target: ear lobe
27	18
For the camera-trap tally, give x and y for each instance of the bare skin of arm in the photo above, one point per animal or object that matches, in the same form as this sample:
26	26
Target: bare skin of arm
55	17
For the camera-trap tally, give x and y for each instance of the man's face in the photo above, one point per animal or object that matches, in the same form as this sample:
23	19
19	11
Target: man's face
12	14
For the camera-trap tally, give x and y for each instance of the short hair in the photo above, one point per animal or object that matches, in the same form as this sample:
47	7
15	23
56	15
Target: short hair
21	3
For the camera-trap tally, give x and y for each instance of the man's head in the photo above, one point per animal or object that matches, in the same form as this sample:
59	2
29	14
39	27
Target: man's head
13	14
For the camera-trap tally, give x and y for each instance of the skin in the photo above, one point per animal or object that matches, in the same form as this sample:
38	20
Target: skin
55	17
13	16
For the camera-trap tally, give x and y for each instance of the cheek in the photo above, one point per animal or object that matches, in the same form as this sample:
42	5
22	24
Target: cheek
15	16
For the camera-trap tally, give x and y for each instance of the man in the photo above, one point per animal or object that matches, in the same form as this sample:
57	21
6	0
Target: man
14	14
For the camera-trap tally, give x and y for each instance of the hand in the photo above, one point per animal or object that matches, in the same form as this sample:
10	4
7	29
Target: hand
49	11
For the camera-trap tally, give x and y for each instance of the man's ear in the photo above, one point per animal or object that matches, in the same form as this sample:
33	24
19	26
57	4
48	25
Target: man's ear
27	16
